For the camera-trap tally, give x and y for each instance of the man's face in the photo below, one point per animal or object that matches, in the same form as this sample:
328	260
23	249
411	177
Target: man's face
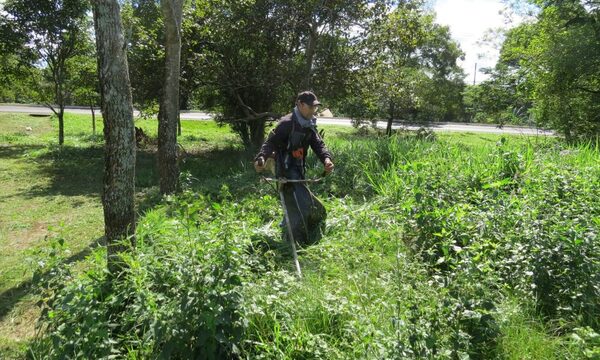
307	111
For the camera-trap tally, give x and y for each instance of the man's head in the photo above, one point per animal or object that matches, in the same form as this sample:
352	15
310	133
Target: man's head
307	103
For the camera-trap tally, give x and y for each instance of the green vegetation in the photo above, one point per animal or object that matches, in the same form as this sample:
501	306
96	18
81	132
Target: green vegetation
548	70
364	58
437	247
54	192
441	246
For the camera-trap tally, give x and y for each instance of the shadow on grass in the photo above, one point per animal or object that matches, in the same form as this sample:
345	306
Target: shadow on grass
15	151
78	171
10	297
74	171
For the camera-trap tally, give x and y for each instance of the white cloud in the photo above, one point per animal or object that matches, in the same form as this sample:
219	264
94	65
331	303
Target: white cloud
468	21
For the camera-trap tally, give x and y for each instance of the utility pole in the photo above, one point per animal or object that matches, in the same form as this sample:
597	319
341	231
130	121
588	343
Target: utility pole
475	74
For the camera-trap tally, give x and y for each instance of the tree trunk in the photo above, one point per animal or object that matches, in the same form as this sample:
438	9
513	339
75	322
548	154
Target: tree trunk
119	133
310	54
388	130
61	125
184	99
93	118
168	114
183	104
58	79
257	133
93	115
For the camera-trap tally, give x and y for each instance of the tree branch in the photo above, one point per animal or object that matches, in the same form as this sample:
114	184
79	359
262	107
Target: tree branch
247	109
49	106
248	119
587	90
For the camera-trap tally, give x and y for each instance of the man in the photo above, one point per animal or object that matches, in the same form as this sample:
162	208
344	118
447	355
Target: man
288	144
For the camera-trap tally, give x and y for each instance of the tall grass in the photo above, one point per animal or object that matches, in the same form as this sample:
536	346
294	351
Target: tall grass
434	249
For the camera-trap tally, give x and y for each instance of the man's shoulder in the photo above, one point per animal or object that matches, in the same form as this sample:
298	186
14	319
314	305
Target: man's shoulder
285	121
286	118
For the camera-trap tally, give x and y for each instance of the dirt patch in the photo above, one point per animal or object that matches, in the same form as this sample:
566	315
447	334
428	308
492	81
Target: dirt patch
24	238
19	324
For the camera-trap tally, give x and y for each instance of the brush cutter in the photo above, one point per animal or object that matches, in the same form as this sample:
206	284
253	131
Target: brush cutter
281	182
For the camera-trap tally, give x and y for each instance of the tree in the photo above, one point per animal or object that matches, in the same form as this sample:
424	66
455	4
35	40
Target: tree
330	26
54	32
144	31
168	115
246	60
566	68
247	53
15	82
119	134
406	55
85	83
502	99
557	59
254	56
441	92
154	33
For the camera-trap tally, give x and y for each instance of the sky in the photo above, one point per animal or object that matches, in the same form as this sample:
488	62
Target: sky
468	21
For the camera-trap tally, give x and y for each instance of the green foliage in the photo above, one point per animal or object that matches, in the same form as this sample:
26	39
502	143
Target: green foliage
85	87
50	33
547	73
434	249
496	102
409	71
567	90
253	57
588	342
177	298
15	85
525	337
143	28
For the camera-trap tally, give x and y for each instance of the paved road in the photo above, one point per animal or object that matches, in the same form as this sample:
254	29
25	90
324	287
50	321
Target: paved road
196	115
81	110
459	127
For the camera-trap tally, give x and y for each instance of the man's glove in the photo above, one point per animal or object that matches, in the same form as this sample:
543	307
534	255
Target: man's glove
259	164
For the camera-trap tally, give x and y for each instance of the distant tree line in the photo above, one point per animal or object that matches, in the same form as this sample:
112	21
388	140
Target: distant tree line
548	73
245	60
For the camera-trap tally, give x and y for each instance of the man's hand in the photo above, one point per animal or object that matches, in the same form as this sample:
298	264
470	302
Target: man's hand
328	165
259	164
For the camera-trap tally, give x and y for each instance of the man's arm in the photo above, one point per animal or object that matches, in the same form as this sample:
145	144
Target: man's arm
318	146
276	140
